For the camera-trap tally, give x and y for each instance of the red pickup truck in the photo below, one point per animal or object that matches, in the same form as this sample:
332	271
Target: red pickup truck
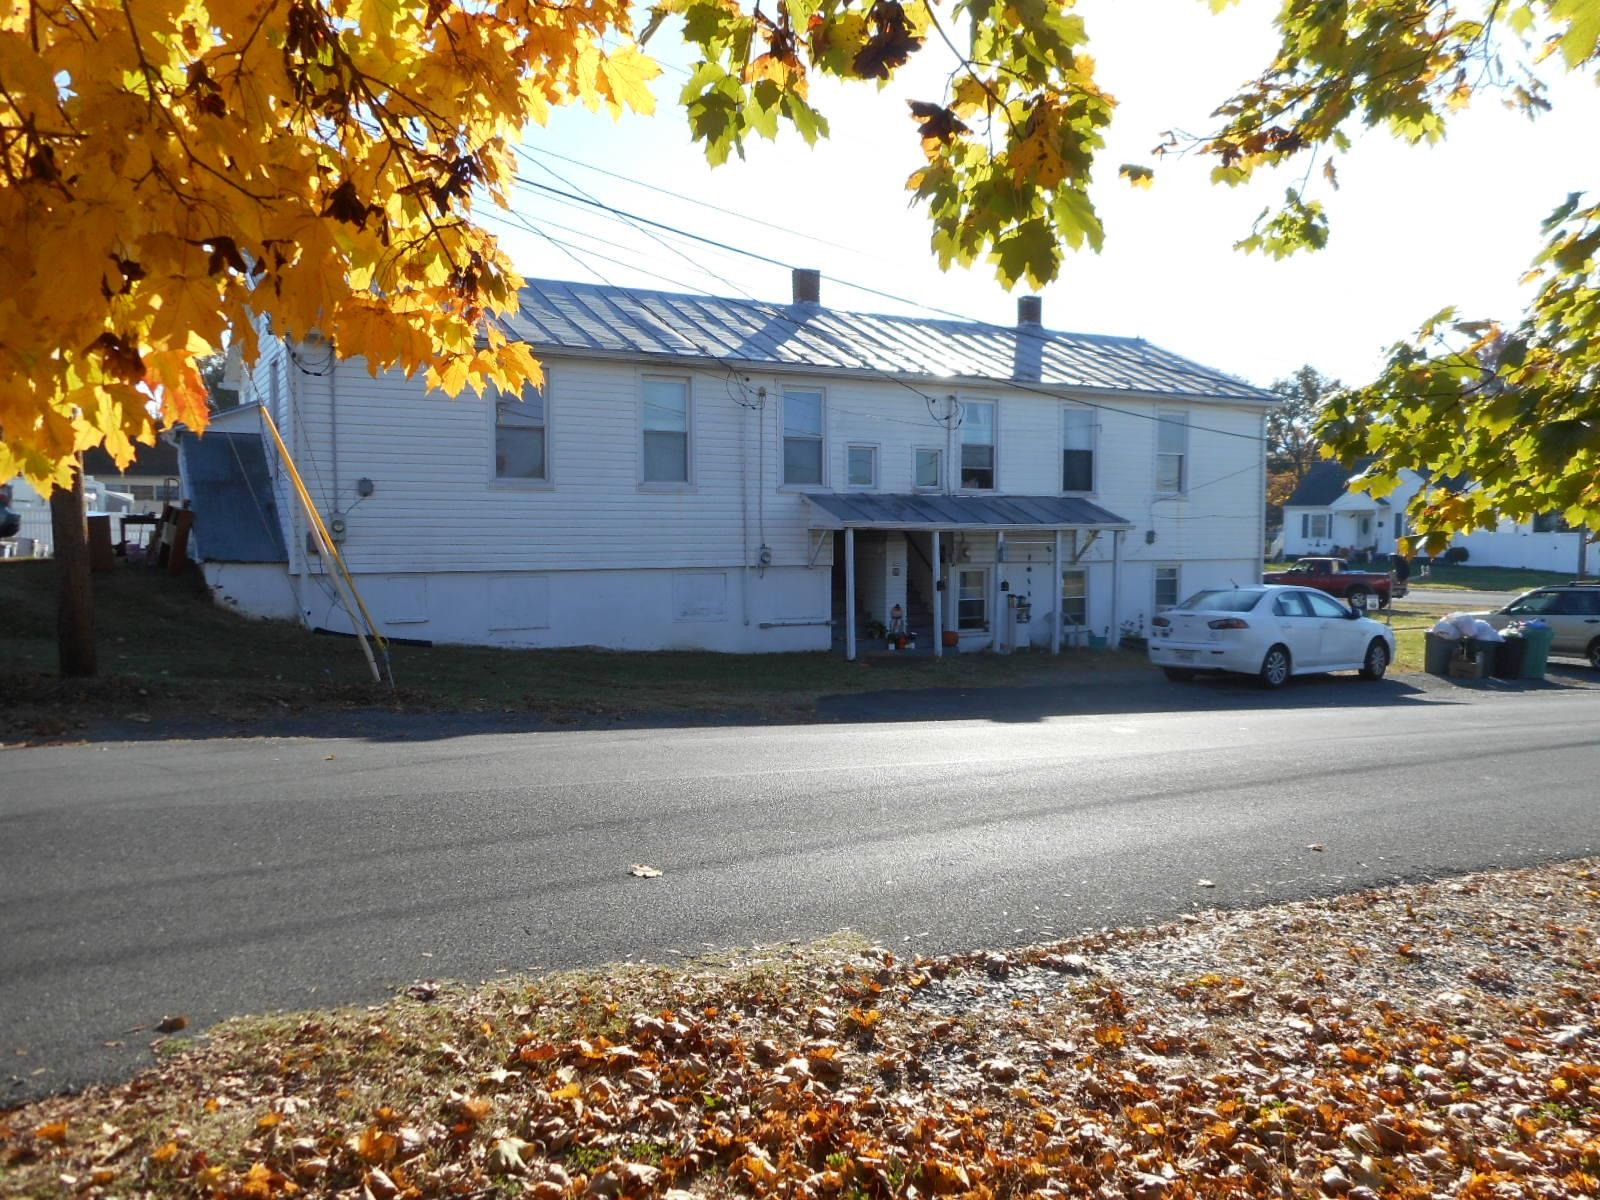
1334	576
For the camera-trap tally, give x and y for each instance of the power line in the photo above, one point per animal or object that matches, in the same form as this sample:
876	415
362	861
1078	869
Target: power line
620	214
525	151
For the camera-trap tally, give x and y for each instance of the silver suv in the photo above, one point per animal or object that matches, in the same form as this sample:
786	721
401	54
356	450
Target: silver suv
1572	610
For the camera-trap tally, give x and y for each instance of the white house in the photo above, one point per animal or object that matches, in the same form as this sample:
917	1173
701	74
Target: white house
734	475
1324	514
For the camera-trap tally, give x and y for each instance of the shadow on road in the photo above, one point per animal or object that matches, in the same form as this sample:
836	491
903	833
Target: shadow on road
1111	692
1142	694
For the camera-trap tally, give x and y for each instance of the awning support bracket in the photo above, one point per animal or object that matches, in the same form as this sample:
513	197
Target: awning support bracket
822	537
1079	551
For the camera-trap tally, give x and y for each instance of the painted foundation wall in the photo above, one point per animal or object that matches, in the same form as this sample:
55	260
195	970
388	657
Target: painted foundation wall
693	609
253	589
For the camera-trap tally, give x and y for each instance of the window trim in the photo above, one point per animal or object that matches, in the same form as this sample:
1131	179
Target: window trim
783	436
1307	532
988	619
938	485
1083	573
994	445
1162	419
498	481
659	485
1094	449
877	466
1155	585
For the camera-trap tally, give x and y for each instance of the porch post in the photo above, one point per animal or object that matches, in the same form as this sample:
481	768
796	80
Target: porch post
996	621
1115	638
1055	625
850	594
937	602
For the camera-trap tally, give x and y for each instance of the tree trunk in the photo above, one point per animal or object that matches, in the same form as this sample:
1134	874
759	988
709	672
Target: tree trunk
74	602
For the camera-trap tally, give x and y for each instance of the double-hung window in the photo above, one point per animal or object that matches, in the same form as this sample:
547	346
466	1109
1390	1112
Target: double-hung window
1166	587
972	599
519	436
1172	453
666	429
977	445
861	466
802	437
928	469
1077	449
1314	525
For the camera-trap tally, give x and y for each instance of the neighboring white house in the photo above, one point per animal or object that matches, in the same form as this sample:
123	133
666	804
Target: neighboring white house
727	474
1324	514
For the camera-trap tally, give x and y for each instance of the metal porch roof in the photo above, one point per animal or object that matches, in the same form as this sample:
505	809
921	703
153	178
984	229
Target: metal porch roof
874	510
235	515
596	319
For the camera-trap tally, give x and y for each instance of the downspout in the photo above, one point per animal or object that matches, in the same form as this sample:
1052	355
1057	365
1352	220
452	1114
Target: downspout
950	465
744	519
1114	634
1261	524
333	428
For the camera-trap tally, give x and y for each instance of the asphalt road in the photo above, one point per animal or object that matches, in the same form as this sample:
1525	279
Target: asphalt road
213	877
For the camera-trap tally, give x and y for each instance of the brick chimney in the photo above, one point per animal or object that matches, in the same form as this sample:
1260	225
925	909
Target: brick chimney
1030	310
807	286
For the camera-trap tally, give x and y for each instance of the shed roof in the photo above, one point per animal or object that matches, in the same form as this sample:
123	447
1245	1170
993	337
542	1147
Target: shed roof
160	459
230	485
592	318
875	510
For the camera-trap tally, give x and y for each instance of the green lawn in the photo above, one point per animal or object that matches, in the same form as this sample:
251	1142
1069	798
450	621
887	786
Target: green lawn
1467	578
165	649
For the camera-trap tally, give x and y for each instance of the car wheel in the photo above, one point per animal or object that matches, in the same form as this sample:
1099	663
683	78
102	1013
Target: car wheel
1177	674
1275	668
1358	596
1594	654
1377	660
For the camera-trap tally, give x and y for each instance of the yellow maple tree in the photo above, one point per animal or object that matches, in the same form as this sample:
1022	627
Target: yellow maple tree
172	169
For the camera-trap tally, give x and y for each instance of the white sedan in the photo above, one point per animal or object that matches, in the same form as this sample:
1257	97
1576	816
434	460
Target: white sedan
1271	631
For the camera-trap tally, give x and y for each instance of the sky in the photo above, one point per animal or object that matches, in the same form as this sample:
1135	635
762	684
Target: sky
1413	228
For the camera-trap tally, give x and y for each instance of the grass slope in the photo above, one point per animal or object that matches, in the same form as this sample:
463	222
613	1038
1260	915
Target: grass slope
164	648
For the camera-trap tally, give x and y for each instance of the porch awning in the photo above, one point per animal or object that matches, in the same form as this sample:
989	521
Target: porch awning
874	510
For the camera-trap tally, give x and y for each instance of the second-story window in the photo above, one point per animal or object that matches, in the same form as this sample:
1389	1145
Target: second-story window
519	436
1077	450
802	437
1172	453
928	468
977	445
861	466
666	430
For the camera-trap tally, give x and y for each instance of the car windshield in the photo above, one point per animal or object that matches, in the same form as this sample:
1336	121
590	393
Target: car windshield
1229	600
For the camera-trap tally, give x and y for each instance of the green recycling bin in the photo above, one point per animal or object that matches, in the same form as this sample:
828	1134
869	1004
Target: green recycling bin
1537	657
1437	652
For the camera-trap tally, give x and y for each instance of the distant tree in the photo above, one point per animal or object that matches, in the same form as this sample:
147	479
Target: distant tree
1291	426
1280	486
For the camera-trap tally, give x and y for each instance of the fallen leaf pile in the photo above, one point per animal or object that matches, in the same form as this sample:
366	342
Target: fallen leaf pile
1419	1042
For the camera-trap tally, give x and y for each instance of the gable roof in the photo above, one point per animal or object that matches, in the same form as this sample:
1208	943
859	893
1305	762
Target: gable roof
598	319
1324	483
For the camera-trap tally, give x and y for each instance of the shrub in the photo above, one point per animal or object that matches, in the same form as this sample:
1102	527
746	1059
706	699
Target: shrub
1455	555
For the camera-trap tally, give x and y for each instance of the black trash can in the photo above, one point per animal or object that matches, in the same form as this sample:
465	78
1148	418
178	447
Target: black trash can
1509	657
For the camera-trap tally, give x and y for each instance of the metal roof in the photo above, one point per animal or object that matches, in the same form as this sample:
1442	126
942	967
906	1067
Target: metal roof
235	516
592	318
874	510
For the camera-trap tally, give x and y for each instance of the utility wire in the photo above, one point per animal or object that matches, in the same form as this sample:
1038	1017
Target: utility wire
774	310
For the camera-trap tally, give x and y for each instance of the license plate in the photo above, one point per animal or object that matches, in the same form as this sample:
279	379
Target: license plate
1184	655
